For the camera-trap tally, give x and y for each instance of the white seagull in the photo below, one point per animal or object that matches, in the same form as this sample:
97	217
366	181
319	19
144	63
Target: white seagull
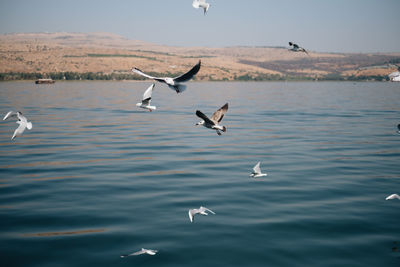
22	121
257	171
173	83
201	3
147	99
394	76
297	48
140	252
393	196
201	210
216	118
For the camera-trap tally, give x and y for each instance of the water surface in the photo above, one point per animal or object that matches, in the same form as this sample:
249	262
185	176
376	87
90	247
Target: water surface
96	177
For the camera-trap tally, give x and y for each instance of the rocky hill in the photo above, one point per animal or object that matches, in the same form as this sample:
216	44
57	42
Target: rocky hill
105	53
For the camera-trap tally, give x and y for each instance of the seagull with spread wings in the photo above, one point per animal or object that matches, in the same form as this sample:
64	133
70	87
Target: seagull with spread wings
257	171
173	83
201	210
145	104
22	121
216	118
297	48
140	252
201	3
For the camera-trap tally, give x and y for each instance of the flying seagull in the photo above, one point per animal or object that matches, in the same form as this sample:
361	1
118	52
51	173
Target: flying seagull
147	99
216	118
201	210
201	3
297	48
173	83
140	252
257	171
393	196
22	121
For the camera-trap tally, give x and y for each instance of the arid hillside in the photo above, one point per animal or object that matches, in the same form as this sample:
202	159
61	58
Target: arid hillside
107	53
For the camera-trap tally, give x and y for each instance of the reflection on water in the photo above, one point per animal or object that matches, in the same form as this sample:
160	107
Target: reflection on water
97	177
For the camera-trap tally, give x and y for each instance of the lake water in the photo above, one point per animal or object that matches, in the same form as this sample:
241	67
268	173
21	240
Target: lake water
96	177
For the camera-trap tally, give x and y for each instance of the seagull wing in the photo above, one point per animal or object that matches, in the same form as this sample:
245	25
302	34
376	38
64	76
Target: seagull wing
204	117
9	114
205	209
137	71
140	252
151	251
188	75
196	4
219	114
191	213
147	95
257	169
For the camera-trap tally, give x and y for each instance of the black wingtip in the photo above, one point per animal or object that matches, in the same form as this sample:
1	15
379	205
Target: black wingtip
290	43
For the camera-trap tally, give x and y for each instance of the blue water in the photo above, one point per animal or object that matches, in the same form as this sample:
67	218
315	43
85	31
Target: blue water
96	177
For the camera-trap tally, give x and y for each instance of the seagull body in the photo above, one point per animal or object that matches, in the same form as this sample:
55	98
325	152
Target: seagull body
140	252
393	196
257	171
216	118
201	3
22	121
145	104
201	210
173	83
297	48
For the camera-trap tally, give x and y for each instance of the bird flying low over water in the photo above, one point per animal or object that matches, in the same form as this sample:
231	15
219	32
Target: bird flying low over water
201	210
201	3
216	118
145	104
257	171
297	48
140	252
22	121
173	83
393	196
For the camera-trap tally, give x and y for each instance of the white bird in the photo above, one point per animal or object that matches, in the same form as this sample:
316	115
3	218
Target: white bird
394	76
297	48
257	171
216	118
201	3
173	83
147	99
393	196
201	210
140	252
22	121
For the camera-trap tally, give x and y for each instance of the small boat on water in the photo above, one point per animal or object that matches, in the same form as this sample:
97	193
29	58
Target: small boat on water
46	81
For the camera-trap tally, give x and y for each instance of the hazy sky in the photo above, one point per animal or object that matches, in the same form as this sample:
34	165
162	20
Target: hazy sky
319	25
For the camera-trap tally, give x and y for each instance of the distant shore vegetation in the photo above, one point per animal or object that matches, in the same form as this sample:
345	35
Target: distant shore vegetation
119	76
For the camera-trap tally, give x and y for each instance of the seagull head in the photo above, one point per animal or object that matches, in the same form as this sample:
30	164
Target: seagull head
200	123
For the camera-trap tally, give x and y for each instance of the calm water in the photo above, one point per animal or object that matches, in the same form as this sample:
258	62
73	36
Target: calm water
96	177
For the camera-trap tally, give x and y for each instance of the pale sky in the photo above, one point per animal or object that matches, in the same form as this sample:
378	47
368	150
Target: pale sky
318	25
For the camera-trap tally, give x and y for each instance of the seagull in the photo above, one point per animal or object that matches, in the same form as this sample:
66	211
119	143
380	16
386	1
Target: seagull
140	252
257	171
147	99
393	196
201	3
297	48
22	121
215	119
173	83
201	210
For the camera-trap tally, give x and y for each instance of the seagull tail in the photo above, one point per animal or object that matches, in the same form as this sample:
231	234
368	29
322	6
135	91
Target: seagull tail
29	125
